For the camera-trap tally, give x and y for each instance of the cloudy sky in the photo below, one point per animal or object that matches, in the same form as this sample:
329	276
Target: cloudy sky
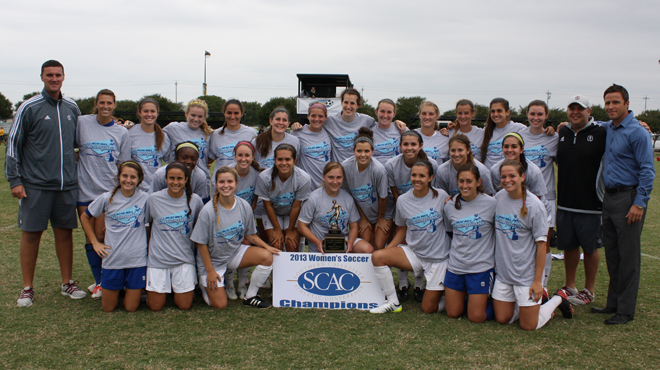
442	50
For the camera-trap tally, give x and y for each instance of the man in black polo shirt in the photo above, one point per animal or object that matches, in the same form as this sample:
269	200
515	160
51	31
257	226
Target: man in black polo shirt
579	208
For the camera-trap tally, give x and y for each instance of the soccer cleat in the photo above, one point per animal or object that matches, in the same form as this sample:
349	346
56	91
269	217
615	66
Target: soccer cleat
96	292
256	302
582	298
71	290
26	297
544	296
569	291
231	292
403	294
387	307
419	294
241	292
565	306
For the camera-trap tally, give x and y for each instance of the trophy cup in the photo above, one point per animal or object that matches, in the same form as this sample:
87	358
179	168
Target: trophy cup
334	241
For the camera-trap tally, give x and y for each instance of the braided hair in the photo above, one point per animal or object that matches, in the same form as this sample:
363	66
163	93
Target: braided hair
221	170
130	164
186	173
519	167
474	170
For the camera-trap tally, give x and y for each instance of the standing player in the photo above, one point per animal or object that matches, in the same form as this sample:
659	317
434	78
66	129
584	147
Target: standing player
188	154
435	144
461	154
387	136
149	144
497	125
315	150
40	166
223	141
464	114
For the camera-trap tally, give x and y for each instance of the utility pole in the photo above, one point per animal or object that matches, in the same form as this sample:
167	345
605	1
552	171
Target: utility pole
176	92
548	93
646	98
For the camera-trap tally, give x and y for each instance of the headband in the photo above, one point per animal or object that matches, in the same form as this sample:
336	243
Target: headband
413	133
517	136
149	100
187	145
318	105
363	139
245	143
127	162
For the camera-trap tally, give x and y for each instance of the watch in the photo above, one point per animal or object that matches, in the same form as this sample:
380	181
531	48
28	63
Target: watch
640	207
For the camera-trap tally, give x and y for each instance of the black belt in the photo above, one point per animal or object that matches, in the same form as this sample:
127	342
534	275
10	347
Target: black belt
619	189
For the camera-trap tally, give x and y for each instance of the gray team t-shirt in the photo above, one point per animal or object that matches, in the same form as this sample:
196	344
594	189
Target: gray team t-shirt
533	178
436	146
343	133
221	146
387	143
269	160
515	255
144	152
366	186
473	242
424	218
494	153
180	132
171	227
398	173
296	187
315	153
198	182
476	136
445	178
125	232
320	207
223	241
102	148
246	185
542	150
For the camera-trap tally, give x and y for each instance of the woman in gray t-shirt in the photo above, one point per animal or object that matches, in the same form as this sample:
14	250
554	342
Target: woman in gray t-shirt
315	144
460	153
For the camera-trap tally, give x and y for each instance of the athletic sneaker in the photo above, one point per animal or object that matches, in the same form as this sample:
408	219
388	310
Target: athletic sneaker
387	307
96	291
71	289
569	291
256	302
565	307
26	297
403	294
91	288
544	296
231	292
242	291
419	294
582	298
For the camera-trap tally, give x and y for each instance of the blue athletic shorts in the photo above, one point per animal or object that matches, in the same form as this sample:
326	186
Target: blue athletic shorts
118	279
478	283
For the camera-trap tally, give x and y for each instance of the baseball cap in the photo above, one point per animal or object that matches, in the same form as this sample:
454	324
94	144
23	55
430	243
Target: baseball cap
579	99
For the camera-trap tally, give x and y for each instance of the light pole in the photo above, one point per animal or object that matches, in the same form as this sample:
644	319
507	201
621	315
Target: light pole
206	56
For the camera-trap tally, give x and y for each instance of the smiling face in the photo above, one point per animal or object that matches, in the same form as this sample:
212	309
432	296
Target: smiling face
195	117
284	162
243	157
233	115
105	105
428	116
148	113
350	105
458	152
385	113
511	179
420	178
176	181
225	184
468	185
189	157
279	123
511	148
52	77
464	115
410	146
128	179
316	117
536	115
499	114
333	180
578	115
363	152
616	107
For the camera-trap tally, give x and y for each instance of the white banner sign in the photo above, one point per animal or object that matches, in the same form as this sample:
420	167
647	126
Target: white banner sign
332	104
332	281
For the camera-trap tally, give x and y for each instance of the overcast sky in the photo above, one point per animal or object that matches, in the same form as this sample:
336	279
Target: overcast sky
442	50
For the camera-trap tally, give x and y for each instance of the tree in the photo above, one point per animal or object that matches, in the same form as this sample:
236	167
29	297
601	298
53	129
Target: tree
164	104
214	102
5	107
481	113
25	97
368	109
407	108
599	113
652	118
558	115
251	113
264	113
86	105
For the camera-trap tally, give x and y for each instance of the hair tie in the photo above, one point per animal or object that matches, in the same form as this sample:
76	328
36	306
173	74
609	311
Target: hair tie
517	136
187	144
363	139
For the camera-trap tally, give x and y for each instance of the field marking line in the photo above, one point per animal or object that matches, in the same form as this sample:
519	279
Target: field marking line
7	228
650	256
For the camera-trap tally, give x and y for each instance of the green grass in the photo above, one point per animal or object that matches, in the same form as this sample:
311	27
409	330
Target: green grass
57	332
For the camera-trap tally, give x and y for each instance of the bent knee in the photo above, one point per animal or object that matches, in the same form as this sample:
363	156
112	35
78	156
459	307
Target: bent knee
477	318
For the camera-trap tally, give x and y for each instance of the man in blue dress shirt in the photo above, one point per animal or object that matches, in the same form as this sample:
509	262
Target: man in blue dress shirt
628	175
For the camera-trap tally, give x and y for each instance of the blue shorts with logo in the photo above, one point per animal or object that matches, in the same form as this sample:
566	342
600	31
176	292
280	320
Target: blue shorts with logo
477	283
118	279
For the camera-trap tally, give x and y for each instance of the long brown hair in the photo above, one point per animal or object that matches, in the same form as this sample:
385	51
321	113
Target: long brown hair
429	167
490	126
421	155
265	139
186	173
254	163
465	141
221	170
224	109
519	168
160	135
474	170
275	172
131	164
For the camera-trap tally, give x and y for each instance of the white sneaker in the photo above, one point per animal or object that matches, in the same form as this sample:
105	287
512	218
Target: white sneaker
582	298
96	292
231	293
242	291
71	289
91	288
387	307
26	297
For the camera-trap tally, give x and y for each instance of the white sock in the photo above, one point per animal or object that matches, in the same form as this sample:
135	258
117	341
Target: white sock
516	314
229	278
403	279
419	280
242	276
546	269
259	276
386	281
546	310
442	304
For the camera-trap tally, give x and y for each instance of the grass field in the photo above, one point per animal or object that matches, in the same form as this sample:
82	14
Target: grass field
58	332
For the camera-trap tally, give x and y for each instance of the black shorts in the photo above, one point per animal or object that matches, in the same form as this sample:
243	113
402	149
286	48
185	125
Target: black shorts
40	206
576	230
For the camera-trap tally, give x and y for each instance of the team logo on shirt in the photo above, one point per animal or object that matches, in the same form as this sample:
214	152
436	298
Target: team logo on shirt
202	144
590	138
336	214
476	151
267	162
177	222
233	233
283	201
103	148
537	154
345	141
318	151
365	193
227	151
388	148
469	226
425	221
495	148
507	224
403	188
127	217
247	194
148	154
433	152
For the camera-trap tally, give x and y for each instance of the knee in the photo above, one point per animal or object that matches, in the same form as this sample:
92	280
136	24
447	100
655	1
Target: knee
429	309
218	305
376	258
131	307
477	318
502	320
267	258
527	326
155	306
185	306
453	312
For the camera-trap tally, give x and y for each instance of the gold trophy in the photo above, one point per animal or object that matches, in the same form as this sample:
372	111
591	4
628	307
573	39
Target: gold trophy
334	241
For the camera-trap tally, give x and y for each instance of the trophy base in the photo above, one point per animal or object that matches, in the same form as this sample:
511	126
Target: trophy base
334	242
